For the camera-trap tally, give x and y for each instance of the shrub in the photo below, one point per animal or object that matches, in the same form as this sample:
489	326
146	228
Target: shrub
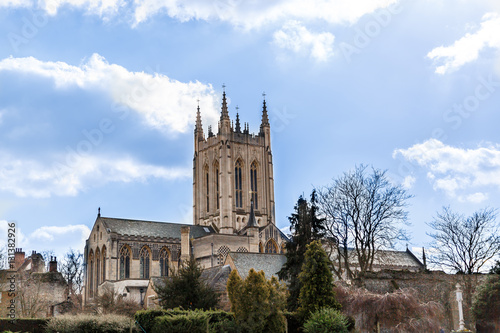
146	318
326	320
195	322
23	325
89	323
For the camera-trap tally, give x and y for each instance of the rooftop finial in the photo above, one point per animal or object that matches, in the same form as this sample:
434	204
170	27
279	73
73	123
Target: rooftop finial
224	113
99	212
265	117
238	126
198	129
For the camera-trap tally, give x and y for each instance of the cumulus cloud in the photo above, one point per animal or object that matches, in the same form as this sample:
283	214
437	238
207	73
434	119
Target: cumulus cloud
57	239
74	173
297	38
467	48
408	182
166	104
458	172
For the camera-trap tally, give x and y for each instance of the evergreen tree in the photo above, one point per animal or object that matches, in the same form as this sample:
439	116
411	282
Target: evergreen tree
257	303
305	227
317	282
186	289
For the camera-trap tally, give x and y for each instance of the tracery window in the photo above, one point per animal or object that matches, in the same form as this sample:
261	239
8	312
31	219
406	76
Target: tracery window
217	190
238	184
144	257
271	247
91	275
253	184
103	263
124	262
97	267
164	262
207	188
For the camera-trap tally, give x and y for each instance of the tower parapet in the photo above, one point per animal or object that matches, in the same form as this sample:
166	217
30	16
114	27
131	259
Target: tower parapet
230	169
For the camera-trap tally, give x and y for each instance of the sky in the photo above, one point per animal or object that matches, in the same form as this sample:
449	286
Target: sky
98	101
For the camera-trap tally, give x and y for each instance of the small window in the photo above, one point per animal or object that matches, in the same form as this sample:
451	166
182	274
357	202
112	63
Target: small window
206	229
100	235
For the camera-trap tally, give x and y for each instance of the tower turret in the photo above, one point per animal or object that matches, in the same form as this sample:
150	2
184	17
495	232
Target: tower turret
224	123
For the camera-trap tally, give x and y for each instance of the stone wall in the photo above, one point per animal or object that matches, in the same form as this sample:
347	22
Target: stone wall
431	286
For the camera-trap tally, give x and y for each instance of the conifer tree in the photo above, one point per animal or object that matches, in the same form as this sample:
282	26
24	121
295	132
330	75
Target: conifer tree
257	303
186	289
305	227
317	282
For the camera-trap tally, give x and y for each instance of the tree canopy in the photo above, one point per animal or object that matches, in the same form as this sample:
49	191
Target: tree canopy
186	289
257	303
317	282
465	244
305	227
365	212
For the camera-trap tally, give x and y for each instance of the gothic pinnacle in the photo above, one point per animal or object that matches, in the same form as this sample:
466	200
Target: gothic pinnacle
238	126
198	129
265	118
224	113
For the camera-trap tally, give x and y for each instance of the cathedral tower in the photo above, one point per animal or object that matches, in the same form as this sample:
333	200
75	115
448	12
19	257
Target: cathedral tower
232	170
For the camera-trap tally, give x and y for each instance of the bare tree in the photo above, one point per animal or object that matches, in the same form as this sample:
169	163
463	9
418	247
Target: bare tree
31	300
364	212
465	244
3	258
72	270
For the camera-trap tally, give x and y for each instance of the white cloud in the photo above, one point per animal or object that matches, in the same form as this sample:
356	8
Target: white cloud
75	172
297	38
58	239
15	3
467	48
459	172
408	182
165	103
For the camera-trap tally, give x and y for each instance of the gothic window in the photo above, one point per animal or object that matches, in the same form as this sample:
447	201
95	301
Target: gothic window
97	267
238	184
125	262
207	188
253	184
164	262
144	256
217	186
91	275
271	247
103	263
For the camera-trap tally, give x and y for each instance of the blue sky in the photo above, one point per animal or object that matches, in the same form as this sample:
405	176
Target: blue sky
98	100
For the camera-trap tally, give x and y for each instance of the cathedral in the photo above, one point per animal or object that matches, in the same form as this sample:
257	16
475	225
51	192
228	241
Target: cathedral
233	212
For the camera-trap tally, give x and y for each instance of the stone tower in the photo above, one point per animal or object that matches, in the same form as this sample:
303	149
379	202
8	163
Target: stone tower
232	170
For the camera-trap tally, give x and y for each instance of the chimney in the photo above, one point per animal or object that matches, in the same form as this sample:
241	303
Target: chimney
185	247
53	264
19	257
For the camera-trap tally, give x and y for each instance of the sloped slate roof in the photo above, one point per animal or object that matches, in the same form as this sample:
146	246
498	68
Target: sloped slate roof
267	262
217	276
389	258
151	228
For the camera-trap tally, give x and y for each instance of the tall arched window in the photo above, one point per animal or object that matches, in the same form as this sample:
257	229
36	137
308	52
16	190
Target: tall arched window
97	267
271	247
164	262
238	184
253	184
124	262
103	263
217	186
144	256
207	187
91	274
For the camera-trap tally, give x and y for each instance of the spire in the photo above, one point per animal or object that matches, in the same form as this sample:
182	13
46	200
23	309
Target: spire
238	126
265	117
198	129
252	222
224	113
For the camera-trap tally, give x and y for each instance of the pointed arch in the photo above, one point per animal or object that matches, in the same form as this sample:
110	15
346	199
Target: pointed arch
103	254
91	273
97	267
271	246
144	262
216	184
125	253
238	183
206	187
164	261
253	183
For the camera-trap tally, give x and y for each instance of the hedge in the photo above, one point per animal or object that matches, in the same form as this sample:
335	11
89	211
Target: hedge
88	323
24	325
191	323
